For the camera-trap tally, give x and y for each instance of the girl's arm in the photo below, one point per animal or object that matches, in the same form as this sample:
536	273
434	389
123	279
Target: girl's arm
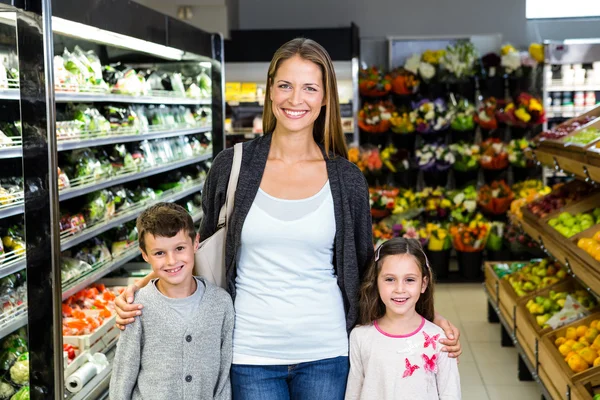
126	364
356	376
447	378
452	333
223	388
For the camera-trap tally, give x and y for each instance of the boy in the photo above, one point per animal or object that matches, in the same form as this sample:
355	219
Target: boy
181	345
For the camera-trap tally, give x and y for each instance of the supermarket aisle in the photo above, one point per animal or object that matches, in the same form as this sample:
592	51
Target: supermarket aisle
488	371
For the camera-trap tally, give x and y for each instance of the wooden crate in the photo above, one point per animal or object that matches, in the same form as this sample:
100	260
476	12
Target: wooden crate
507	302
492	281
582	262
548	383
587	388
554	364
527	328
581	148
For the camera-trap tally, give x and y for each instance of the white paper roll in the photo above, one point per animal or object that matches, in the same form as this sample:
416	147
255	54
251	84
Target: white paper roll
81	377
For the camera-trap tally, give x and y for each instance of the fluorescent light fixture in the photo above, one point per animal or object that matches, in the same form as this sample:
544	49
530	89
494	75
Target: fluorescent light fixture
92	34
539	9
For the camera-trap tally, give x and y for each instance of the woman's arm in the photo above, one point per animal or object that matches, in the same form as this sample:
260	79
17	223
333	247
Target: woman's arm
126	311
452	344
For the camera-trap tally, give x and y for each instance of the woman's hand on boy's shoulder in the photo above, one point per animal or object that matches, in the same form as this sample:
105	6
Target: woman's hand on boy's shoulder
126	310
451	342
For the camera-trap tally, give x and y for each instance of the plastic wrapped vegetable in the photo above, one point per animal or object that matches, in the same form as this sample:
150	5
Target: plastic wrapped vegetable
72	268
13	348
19	372
100	206
6	391
74	65
14	240
121	158
22	394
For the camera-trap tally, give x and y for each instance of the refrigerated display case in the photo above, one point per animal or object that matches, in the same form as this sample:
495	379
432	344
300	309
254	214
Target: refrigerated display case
107	108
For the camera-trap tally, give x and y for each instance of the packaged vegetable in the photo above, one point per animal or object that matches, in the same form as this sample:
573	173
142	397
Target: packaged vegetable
19	372
6	391
100	206
22	394
72	268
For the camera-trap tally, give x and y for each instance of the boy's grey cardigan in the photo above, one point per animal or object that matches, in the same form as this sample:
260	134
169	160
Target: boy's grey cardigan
159	358
353	237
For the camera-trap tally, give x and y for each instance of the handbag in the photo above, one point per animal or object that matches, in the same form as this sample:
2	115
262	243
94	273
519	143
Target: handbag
209	260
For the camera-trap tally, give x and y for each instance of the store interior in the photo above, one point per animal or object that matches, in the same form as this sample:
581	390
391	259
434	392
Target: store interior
479	136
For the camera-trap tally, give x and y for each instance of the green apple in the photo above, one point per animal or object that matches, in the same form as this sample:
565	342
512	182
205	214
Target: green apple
564	216
569	222
553	222
596	212
586	224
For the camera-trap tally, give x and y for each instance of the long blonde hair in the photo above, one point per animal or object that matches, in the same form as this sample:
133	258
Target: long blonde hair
327	128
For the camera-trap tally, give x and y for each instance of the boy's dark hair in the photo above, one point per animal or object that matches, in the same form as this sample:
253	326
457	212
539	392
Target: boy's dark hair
166	220
371	306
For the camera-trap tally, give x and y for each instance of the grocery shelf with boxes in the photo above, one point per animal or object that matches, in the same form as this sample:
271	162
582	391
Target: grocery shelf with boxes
125	120
551	315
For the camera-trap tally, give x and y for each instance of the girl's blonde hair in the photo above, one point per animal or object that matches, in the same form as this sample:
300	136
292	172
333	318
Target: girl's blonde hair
327	129
371	306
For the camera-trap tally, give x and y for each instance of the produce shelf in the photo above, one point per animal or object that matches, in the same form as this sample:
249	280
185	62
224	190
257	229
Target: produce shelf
131	214
13	151
97	388
16	265
82	97
12	209
70	193
532	368
83	142
581	165
10	94
13	320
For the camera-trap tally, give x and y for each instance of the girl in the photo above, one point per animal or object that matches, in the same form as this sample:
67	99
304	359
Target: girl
299	239
395	352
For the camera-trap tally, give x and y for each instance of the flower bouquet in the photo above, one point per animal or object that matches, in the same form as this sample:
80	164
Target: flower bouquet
398	163
497	249
523	114
404	82
486	117
465	205
519	67
466	164
492	83
372	82
436	205
383	231
407	204
430	118
355	157
459	62
403	130
427	67
370	158
523	167
494	159
463	123
438	249
412	229
382	201
434	160
469	241
495	199
375	118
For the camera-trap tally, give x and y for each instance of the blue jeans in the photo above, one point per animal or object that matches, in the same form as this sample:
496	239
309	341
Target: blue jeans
316	380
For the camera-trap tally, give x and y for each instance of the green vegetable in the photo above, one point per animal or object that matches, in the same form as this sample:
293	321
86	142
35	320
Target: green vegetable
22	394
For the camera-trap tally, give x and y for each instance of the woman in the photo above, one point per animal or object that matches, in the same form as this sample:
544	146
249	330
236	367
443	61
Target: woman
299	239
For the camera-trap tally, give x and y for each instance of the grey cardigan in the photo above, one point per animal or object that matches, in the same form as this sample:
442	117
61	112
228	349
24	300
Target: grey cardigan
353	246
158	357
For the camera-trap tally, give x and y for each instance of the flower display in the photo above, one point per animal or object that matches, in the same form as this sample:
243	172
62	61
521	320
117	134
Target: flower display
536	50
516	153
460	59
367	158
510	58
496	236
466	156
491	64
436	204
395	159
407	201
493	154
404	82
464	204
382	232
382	201
375	118
518	240
412	229
425	65
486	115
462	116
434	157
402	123
355	157
525	111
495	198
373	82
439	237
430	116
470	237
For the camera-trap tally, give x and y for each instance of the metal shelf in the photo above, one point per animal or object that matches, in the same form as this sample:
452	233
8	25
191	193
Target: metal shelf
114	181
10	94
65	97
15	322
573	88
11	152
101	141
532	368
12	267
9	211
125	217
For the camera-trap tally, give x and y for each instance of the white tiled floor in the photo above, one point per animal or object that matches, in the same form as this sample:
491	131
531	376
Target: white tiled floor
488	371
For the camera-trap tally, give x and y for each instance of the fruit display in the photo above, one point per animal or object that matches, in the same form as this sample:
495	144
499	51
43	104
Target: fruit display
503	269
544	307
527	192
583	137
13	240
564	129
559	198
535	276
569	225
591	245
580	346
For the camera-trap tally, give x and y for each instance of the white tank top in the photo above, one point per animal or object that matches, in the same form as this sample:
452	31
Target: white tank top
288	305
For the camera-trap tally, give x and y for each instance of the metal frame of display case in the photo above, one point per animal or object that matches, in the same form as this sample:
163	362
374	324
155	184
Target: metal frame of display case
35	37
